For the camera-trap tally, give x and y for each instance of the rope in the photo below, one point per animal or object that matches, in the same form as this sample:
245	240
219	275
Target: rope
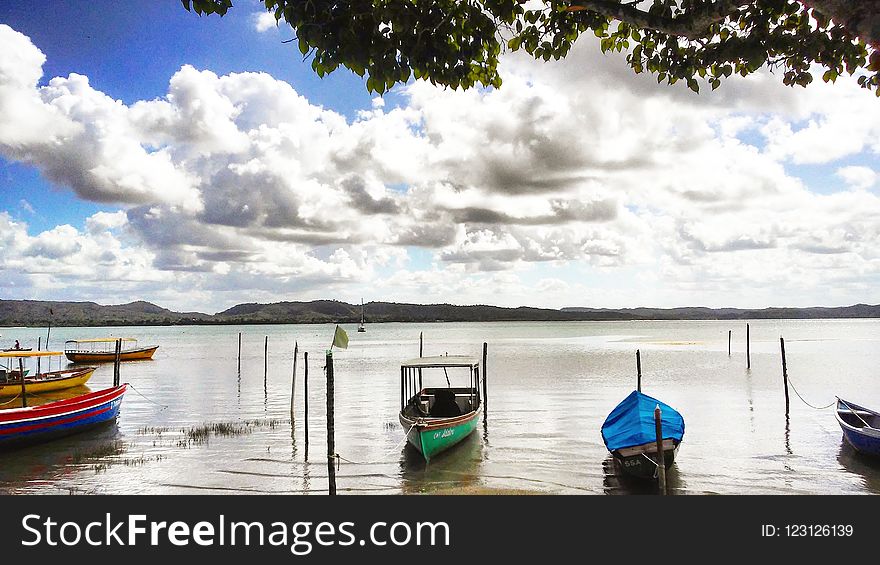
396	448
807	403
164	406
11	401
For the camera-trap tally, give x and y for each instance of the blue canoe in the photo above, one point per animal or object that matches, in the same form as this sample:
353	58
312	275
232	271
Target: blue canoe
630	435
861	427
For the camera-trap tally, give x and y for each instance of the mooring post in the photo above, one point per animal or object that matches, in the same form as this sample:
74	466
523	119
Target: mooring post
784	372
23	389
661	457
293	381
116	362
331	440
729	337
265	359
239	353
485	374
306	398
748	349
39	348
421	354
639	370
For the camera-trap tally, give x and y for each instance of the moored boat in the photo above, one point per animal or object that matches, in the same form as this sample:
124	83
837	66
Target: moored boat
629	433
861	427
436	418
103	350
25	426
10	381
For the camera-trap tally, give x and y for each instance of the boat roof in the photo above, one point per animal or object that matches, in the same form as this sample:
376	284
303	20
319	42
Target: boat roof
30	353
101	340
440	361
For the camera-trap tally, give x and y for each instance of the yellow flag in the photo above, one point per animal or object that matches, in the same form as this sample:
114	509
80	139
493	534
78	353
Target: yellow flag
340	339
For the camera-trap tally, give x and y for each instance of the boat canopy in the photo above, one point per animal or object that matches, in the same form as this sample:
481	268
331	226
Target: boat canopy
101	340
631	423
30	353
442	361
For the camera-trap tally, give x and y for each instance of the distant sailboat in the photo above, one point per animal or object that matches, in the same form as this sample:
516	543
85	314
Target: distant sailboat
362	327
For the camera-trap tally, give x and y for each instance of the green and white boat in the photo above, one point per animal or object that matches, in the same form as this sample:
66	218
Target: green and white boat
436	418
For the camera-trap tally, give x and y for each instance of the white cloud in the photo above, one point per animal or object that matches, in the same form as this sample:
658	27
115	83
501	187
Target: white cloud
263	21
858	177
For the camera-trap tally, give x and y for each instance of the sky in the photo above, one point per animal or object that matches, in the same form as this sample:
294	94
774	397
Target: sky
197	163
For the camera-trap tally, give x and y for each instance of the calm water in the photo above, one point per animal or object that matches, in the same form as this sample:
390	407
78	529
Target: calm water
551	385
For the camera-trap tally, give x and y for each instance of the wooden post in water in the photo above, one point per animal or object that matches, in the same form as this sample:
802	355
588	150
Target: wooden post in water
485	374
23	389
421	354
116	362
306	398
639	370
265	359
293	381
784	372
748	349
39	348
331	440
661	457
239	353
729	337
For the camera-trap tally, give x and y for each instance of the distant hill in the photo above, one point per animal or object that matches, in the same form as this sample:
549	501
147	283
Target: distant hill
41	313
700	313
140	313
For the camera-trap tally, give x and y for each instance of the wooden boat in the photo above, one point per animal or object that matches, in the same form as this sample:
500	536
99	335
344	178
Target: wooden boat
436	418
10	381
34	424
630	435
861	427
19	349
362	327
103	350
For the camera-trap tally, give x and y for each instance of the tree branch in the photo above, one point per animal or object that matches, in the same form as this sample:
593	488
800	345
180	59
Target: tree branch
691	24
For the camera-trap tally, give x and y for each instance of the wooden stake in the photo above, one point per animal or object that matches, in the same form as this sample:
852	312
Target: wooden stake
729	337
306	398
265	359
421	354
331	440
485	374
116	362
784	372
748	349
23	388
639	370
293	381
239	353
661	457
39	348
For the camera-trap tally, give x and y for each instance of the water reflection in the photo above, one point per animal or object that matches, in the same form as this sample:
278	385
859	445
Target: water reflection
867	467
456	469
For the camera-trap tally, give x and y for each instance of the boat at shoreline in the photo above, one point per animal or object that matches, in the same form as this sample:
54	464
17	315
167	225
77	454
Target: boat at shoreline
630	435
11	381
435	419
21	427
103	350
860	426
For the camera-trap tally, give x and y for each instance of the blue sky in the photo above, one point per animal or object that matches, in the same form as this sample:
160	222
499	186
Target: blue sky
143	158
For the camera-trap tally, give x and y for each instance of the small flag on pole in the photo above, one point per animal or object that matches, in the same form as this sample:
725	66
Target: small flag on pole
340	338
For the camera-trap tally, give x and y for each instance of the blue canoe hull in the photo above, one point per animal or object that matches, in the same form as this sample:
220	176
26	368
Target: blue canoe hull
860	426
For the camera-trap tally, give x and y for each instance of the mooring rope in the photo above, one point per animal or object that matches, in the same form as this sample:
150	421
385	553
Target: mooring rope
389	452
791	382
164	406
11	401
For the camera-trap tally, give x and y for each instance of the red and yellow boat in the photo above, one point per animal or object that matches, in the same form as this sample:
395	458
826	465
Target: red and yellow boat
10	377
103	350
